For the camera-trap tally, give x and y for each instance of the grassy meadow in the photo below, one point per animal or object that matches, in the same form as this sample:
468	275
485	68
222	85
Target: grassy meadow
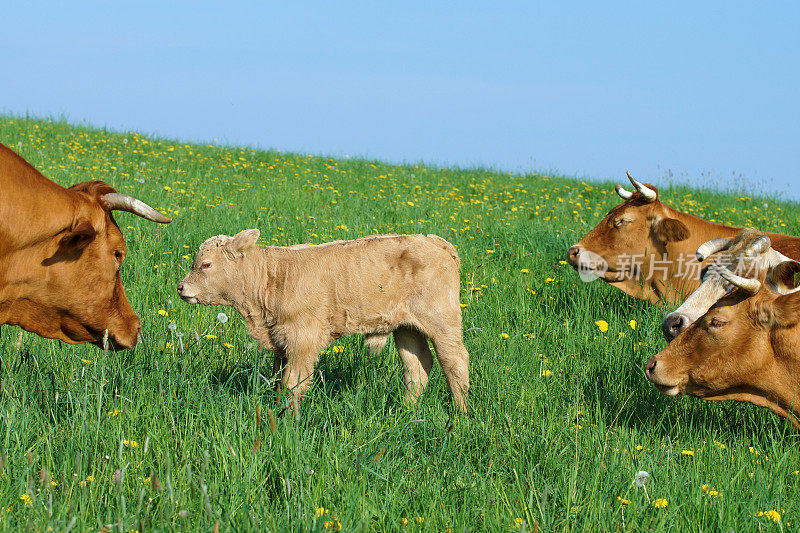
184	432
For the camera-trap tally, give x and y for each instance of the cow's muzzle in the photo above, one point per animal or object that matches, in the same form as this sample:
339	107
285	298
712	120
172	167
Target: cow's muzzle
651	371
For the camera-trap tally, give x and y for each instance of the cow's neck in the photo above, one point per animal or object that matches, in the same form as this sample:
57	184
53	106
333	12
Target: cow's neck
783	376
31	206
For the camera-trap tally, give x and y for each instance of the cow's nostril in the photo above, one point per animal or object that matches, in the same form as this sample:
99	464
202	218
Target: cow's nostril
574	251
180	288
650	367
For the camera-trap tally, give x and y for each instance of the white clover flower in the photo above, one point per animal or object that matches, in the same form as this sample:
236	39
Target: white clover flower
641	478
222	317
173	327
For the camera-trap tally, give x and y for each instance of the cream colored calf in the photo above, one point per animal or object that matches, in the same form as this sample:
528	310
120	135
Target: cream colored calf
298	299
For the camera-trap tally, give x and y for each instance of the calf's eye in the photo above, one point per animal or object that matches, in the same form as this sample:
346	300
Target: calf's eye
205	265
621	222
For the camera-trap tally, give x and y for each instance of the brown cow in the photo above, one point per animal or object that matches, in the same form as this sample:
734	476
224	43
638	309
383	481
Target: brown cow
647	249
745	348
747	254
60	255
296	300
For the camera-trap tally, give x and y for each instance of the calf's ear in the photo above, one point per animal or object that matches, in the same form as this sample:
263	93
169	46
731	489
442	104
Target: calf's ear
79	236
245	240
670	230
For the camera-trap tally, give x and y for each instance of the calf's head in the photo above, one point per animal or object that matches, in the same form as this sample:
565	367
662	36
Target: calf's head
746	254
743	348
641	223
212	279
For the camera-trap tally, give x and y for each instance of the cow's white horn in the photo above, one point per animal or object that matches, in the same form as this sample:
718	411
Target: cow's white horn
122	202
622	192
713	246
758	247
748	285
649	194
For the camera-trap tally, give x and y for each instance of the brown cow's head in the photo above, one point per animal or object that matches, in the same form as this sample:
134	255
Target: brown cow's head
747	254
739	350
209	282
75	292
640	224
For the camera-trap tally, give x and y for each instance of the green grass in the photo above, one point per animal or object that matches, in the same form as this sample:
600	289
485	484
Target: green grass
561	417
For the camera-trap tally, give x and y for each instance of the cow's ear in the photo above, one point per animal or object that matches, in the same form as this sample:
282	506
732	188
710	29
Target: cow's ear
783	312
786	276
79	236
671	230
244	240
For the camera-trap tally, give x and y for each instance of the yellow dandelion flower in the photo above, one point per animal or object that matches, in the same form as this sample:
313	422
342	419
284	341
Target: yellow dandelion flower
525	271
209	336
660	503
632	324
688	453
602	325
773	515
504	335
549	280
546	373
162	312
623	501
114	413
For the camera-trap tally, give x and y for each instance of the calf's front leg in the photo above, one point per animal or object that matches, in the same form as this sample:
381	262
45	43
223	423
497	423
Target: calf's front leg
302	353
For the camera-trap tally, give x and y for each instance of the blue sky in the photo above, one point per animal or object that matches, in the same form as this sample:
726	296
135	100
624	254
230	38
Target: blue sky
707	92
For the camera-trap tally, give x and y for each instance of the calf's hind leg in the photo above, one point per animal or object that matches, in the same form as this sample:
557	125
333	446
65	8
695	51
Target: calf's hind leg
454	359
417	359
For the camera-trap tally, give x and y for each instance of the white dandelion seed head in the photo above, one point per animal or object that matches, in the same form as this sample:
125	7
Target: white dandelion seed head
222	317
173	327
641	478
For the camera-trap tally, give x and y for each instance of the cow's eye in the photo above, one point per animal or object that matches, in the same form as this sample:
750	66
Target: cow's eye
205	264
118	255
621	222
717	322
